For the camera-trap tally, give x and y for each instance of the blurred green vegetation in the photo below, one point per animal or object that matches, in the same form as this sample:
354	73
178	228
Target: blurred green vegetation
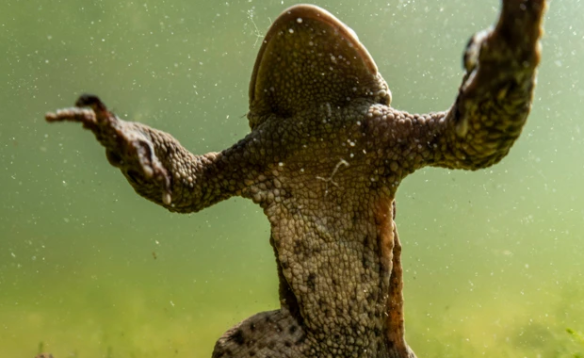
494	260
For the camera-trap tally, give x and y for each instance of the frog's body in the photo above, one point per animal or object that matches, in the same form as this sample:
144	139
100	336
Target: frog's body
324	159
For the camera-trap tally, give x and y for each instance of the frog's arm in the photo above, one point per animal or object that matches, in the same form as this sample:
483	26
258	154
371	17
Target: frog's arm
157	166
493	101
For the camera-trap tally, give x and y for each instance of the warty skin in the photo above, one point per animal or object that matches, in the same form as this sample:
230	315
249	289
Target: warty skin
324	158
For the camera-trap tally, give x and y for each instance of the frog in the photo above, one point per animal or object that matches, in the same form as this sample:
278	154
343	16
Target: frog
324	157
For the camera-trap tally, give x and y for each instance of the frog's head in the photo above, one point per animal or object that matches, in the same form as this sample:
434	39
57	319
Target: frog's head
310	58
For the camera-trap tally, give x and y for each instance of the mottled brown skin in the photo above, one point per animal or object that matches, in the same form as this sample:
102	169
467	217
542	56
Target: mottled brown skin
324	159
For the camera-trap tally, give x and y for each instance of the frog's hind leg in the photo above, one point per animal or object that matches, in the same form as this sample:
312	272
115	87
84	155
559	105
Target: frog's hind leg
266	334
277	333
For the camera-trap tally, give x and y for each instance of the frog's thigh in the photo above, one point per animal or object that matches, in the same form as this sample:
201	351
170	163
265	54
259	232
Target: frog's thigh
266	334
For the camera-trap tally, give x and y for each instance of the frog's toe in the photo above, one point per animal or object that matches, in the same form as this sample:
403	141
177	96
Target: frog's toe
89	100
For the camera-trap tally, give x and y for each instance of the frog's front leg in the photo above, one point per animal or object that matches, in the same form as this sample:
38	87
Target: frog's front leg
492	105
155	163
495	97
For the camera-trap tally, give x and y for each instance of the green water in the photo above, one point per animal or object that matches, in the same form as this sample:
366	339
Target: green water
494	259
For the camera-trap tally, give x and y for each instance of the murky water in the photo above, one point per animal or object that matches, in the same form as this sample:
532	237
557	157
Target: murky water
494	259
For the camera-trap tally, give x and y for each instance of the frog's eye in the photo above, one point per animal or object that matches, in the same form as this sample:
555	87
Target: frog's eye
309	58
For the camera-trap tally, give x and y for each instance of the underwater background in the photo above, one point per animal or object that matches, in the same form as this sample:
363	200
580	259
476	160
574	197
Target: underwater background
494	259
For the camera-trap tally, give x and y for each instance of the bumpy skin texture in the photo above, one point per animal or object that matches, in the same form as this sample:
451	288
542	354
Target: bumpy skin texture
324	160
